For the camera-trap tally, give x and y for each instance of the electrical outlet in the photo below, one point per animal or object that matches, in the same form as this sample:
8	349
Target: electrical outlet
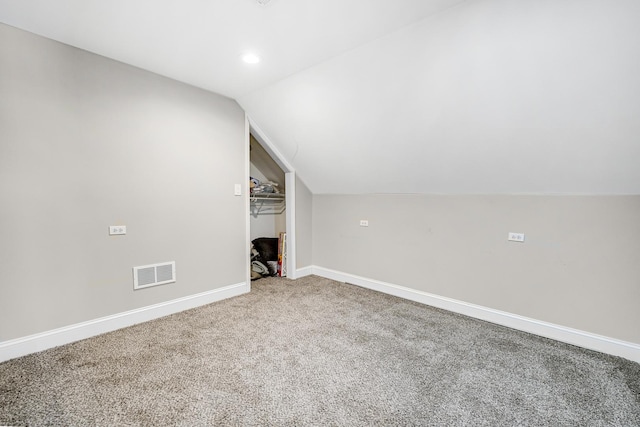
116	230
364	223
516	237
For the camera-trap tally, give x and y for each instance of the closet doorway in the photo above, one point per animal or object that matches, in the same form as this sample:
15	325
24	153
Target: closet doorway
271	216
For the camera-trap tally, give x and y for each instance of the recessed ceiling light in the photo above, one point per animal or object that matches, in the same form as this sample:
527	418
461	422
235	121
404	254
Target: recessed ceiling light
250	58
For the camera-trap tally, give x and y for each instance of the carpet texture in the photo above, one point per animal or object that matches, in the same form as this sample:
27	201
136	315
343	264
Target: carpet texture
318	352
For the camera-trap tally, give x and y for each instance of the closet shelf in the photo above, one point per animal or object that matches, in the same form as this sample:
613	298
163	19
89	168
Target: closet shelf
267	203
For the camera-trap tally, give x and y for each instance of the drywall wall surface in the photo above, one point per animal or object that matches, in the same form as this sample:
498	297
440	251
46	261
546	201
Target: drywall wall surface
579	265
267	225
304	217
87	142
263	224
264	163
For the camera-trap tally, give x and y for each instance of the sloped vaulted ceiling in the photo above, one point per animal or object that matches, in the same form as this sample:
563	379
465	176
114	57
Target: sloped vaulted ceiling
403	96
492	96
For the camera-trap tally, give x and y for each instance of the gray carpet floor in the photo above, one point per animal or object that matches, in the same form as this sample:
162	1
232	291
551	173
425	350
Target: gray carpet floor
318	352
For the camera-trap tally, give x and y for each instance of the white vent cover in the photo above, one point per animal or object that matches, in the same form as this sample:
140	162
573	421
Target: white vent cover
154	274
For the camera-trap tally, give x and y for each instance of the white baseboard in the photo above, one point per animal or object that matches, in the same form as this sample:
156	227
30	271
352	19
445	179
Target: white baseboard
42	341
304	271
576	337
68	334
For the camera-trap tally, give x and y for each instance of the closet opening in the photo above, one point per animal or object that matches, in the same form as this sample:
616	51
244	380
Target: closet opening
267	213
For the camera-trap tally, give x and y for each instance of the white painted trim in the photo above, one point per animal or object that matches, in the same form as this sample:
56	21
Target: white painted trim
290	201
572	336
269	147
68	334
247	202
304	271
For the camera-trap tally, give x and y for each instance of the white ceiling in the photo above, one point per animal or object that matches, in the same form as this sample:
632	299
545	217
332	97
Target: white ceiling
201	42
402	96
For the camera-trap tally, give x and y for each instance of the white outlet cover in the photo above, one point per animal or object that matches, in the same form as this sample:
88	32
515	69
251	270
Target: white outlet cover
516	237
364	223
117	230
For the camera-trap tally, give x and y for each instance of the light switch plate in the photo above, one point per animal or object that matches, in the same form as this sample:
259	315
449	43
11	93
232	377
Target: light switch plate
237	190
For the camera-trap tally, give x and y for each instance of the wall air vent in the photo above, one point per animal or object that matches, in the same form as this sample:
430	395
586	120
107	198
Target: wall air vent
154	274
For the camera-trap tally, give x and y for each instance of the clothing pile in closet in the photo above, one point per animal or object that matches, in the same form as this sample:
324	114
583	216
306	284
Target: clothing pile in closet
264	257
258	187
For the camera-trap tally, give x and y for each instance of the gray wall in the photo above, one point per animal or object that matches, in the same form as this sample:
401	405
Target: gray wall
86	142
579	266
304	218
